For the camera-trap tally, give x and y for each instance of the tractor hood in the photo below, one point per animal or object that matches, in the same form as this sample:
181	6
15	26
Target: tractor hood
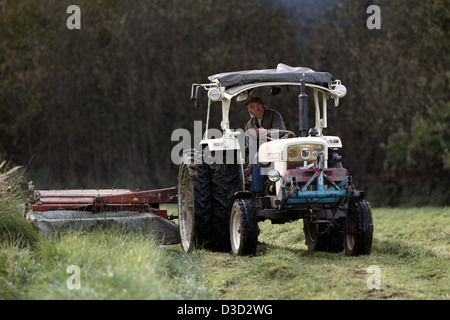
275	150
283	73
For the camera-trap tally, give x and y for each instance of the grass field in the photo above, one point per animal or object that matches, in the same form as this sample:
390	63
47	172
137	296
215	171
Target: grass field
410	260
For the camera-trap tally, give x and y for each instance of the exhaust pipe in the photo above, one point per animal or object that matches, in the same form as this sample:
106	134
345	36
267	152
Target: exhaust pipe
303	111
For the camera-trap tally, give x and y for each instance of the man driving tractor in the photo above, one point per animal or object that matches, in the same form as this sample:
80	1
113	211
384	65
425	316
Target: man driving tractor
261	120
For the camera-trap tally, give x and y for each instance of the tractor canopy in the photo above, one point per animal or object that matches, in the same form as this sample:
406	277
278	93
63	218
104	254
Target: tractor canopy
282	73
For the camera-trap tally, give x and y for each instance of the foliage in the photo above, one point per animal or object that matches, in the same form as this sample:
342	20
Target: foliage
14	229
96	107
420	158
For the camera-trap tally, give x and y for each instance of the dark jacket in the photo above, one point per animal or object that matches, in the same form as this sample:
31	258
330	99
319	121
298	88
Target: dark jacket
271	120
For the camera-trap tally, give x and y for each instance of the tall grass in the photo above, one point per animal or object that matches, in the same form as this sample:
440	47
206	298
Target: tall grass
14	229
16	233
411	249
110	266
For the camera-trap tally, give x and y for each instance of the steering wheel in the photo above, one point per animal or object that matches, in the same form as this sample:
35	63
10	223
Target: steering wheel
282	134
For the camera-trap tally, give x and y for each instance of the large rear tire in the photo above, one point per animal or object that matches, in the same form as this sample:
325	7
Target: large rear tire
358	232
204	193
225	182
243	228
194	205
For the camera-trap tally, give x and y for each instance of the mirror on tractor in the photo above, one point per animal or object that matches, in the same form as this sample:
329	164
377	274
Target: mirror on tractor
197	97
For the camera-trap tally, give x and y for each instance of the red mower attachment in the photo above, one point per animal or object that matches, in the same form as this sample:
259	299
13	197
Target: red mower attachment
101	200
53	211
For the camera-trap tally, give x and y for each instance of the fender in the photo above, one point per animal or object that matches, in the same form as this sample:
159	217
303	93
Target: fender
243	195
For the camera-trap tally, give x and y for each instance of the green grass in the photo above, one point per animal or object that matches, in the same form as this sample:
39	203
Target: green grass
13	228
111	265
411	250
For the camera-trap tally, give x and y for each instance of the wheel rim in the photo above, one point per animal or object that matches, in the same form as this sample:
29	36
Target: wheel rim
350	239
235	229
186	211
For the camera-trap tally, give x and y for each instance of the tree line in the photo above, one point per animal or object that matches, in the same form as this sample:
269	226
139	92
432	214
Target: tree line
96	107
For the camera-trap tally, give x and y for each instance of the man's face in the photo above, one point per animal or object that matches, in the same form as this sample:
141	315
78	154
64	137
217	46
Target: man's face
255	110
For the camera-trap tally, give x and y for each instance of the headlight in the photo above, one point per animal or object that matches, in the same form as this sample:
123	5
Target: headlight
214	94
274	175
342	90
303	152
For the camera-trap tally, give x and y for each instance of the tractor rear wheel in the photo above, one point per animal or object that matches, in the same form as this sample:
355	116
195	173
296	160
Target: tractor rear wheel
204	194
358	231
243	228
225	182
194	205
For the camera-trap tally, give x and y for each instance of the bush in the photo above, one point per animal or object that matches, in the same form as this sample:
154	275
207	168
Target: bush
417	161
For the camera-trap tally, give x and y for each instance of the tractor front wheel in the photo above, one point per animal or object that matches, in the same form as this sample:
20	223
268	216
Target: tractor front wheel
358	231
243	228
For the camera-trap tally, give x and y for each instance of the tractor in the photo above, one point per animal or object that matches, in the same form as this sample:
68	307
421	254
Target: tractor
303	175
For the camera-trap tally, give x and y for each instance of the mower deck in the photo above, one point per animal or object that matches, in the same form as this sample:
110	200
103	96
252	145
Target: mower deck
53	211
